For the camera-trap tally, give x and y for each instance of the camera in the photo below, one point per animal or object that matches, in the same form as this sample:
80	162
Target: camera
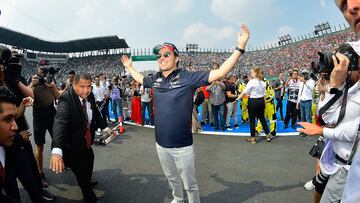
5	55
326	64
49	73
11	62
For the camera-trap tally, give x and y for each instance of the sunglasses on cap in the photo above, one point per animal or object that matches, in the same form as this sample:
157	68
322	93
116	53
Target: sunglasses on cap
166	54
169	46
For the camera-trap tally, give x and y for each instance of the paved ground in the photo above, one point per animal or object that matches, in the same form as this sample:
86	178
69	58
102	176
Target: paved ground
228	170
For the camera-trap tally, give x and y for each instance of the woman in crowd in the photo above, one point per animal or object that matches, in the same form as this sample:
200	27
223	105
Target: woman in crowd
115	95
255	88
136	103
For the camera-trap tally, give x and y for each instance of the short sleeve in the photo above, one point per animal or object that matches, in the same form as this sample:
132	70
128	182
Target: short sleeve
198	78
149	80
248	87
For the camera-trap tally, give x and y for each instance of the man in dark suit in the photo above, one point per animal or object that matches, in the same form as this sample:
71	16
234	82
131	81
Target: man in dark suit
8	128
76	120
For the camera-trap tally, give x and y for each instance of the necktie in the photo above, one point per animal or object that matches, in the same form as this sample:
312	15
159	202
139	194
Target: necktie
88	133
2	173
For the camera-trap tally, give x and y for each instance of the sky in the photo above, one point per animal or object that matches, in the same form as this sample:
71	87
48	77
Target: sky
145	23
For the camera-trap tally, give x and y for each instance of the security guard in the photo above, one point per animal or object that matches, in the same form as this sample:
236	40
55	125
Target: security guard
270	110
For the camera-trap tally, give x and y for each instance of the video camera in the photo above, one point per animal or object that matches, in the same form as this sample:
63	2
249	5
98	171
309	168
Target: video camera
11	62
48	70
326	64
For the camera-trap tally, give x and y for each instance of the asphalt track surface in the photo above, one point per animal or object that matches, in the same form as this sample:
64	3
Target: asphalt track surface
229	169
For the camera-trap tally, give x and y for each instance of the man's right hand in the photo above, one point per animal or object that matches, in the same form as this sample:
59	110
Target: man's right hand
34	80
57	163
126	61
339	73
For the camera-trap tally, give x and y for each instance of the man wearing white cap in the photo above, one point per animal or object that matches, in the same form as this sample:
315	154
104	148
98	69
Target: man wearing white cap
173	92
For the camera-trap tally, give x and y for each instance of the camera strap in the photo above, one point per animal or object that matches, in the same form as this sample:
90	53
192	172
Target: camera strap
331	102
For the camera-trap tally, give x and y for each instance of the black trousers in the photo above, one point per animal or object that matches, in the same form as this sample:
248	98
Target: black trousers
81	162
103	111
107	109
256	108
21	164
279	105
291	112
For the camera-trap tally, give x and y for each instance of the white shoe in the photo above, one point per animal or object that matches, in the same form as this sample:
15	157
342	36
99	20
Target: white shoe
309	185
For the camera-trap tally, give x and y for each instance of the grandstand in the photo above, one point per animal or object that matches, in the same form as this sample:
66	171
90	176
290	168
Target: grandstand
101	54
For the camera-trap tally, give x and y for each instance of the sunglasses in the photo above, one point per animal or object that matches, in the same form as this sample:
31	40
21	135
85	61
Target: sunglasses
166	55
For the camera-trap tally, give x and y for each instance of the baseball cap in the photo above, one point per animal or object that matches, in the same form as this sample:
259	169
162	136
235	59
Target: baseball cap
43	62
71	72
171	47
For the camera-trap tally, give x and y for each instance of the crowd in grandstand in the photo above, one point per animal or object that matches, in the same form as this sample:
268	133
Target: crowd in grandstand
272	61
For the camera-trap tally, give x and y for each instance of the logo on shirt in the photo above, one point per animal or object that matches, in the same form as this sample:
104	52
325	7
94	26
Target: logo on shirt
175	82
158	82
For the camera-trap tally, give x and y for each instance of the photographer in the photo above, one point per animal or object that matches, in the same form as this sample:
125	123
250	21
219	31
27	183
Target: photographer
339	114
70	80
293	85
307	85
351	11
45	92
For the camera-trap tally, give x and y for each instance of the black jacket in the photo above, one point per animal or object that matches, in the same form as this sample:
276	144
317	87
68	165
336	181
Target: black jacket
70	123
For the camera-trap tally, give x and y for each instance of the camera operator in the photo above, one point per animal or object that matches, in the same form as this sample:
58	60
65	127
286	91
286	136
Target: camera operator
293	85
307	85
20	155
351	10
70	80
45	93
339	114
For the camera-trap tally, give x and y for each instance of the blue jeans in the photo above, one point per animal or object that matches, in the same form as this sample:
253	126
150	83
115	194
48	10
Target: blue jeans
116	106
305	110
218	111
148	106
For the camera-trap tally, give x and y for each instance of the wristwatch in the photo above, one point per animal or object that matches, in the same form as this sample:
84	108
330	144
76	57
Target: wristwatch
240	49
334	90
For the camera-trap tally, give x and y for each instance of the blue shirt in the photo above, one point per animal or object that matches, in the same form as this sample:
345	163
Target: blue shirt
173	101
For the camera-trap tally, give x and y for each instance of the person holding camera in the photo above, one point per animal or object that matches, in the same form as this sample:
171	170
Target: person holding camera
293	85
351	11
70	80
304	101
339	115
45	93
